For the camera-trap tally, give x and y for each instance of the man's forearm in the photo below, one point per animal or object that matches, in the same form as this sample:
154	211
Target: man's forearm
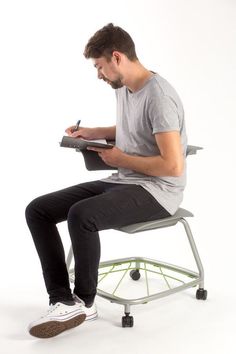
152	166
108	133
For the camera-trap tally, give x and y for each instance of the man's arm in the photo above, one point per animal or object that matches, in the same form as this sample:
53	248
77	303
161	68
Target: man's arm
170	162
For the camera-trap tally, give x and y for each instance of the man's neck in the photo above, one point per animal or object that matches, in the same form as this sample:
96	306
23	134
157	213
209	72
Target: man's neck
137	77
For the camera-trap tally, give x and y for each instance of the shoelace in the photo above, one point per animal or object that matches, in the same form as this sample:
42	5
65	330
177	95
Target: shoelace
52	308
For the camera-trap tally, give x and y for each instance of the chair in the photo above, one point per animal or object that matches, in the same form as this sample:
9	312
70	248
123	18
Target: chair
134	266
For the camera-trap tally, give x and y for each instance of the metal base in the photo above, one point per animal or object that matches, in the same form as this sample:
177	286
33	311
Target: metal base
148	271
156	269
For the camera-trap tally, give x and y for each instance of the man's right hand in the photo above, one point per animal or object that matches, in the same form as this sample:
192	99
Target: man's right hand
85	133
108	133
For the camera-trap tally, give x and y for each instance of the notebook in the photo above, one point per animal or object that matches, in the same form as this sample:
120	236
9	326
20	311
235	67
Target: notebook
82	144
92	160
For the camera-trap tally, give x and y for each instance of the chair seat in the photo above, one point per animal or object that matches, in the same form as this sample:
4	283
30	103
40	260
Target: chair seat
156	224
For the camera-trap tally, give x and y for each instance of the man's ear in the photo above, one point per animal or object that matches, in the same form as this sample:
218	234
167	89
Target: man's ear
117	57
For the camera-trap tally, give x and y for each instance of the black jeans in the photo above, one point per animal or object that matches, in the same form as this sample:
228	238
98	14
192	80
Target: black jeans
88	208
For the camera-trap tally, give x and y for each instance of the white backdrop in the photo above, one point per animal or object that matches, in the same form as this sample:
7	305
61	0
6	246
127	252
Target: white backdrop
46	85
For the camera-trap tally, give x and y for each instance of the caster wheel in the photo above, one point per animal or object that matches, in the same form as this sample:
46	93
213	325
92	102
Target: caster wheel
201	294
134	274
127	321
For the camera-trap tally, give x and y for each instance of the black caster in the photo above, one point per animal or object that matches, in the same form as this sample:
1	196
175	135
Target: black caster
127	320
134	274
201	294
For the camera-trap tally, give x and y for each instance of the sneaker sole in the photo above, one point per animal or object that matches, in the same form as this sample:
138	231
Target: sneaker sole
92	317
53	328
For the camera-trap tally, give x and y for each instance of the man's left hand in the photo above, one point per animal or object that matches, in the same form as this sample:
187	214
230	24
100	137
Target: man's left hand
112	157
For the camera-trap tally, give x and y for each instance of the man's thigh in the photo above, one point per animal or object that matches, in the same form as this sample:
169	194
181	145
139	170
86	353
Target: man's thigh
56	205
118	206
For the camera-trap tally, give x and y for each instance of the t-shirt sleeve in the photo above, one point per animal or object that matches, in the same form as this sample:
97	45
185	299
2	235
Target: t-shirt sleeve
163	115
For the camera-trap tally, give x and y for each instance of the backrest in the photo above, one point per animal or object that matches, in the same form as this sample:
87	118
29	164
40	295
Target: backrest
192	150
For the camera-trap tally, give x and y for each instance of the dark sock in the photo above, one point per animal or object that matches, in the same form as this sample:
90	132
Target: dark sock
89	305
65	302
69	302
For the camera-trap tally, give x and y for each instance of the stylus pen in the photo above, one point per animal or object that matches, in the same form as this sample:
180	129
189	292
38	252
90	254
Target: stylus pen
76	126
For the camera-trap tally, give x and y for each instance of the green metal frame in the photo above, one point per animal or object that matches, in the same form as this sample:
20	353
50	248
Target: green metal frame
161	270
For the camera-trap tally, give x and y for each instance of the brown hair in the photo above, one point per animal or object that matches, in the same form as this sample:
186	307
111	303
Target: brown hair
108	39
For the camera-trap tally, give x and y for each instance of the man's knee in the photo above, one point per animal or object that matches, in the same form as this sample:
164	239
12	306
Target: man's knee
80	216
34	209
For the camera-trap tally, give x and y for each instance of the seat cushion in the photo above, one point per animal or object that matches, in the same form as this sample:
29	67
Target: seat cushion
156	224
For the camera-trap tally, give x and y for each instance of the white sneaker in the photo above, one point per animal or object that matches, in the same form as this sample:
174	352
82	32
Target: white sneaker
59	318
91	312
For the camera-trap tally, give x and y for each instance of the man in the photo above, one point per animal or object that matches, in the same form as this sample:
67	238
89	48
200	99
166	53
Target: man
150	159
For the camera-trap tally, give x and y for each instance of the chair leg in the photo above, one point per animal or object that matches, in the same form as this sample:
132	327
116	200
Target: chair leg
69	258
127	320
195	251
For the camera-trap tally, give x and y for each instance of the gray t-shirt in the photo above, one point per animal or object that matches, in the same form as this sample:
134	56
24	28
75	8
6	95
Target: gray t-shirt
155	108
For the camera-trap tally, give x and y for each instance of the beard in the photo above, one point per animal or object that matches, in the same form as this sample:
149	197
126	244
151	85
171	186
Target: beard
116	84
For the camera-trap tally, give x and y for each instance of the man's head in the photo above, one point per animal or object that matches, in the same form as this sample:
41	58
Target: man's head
110	48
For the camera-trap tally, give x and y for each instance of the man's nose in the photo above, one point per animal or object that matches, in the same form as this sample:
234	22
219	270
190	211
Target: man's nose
100	76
